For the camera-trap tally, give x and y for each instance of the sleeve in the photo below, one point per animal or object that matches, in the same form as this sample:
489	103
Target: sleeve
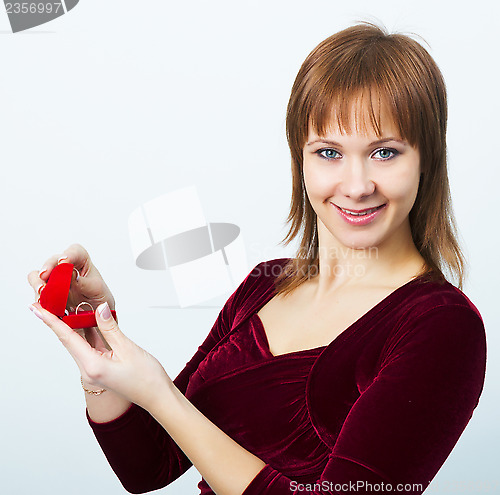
139	450
406	422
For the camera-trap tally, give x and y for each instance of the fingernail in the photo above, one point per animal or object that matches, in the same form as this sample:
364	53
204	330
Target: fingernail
104	311
62	258
36	312
43	270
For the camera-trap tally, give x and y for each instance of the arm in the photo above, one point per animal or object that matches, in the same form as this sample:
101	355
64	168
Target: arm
141	453
406	422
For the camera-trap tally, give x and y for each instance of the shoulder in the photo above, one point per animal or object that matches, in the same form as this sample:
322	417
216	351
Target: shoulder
253	289
261	278
262	274
269	270
430	298
437	315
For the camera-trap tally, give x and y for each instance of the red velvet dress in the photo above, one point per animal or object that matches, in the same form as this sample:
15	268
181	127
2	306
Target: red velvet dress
383	403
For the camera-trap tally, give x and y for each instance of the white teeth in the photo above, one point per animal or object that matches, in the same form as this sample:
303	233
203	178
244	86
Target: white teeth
359	214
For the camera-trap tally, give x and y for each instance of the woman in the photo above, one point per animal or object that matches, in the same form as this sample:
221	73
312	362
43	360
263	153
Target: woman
350	367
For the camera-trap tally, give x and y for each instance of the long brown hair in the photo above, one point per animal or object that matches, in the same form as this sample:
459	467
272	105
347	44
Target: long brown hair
366	64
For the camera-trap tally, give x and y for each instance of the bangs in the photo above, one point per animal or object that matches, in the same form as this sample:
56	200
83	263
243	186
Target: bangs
361	111
369	85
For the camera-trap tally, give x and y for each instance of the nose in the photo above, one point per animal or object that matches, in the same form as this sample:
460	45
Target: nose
356	182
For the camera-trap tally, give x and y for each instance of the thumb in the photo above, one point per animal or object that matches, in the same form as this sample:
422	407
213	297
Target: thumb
107	325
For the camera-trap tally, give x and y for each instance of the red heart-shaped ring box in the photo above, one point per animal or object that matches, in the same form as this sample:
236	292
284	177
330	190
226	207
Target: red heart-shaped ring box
54	298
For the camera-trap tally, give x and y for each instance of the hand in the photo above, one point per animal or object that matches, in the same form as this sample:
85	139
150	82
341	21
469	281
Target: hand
126	369
90	286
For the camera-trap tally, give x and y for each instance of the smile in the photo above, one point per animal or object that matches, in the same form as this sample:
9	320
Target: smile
360	217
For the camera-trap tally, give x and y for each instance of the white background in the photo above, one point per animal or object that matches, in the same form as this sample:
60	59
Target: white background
118	102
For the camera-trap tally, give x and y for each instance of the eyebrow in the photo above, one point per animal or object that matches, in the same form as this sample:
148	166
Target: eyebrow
334	143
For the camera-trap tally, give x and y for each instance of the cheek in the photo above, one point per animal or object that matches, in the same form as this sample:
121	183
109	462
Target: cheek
319	183
402	188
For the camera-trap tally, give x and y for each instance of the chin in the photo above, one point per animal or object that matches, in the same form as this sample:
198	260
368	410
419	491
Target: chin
360	247
360	242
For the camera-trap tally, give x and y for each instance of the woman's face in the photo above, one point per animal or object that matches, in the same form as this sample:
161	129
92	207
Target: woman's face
357	172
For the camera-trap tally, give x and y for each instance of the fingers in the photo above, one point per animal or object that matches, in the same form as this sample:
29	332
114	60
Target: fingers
94	337
37	279
79	256
76	345
48	266
108	327
75	254
91	362
36	282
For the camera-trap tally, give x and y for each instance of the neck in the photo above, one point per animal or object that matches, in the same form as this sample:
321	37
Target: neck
388	262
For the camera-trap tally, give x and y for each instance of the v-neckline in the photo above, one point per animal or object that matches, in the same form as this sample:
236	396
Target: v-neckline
344	334
267	347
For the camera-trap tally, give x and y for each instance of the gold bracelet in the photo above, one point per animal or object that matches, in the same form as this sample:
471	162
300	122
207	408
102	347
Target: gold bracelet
92	392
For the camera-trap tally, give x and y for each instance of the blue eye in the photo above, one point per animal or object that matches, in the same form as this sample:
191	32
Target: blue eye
385	153
327	153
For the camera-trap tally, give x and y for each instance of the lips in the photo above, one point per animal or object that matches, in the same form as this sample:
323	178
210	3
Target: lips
366	211
360	218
